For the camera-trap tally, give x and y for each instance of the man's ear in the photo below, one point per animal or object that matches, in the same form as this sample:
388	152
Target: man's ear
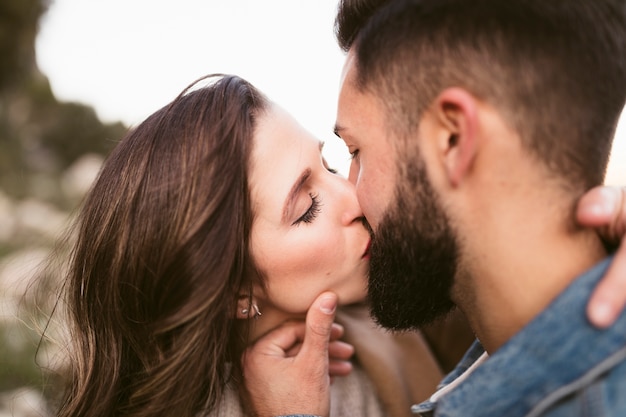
456	111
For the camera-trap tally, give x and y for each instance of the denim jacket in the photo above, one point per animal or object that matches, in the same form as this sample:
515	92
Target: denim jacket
558	365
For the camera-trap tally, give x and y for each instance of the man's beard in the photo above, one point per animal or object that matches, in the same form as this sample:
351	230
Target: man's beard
413	257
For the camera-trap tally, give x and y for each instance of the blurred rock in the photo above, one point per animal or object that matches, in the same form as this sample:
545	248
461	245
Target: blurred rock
39	220
77	179
17	274
7	218
23	402
43	186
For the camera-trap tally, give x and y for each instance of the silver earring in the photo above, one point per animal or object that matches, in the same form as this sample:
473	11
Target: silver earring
257	312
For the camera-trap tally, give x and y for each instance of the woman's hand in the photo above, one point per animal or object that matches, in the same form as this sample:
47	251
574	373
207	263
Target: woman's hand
605	209
287	371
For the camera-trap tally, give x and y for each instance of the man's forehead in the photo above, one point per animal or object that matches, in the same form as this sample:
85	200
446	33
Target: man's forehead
347	72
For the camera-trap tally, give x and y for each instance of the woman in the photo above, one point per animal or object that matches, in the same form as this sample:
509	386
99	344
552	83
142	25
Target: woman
211	223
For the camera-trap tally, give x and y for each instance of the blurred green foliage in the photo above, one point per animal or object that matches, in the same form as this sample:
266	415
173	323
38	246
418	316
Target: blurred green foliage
38	134
39	138
18	348
18	29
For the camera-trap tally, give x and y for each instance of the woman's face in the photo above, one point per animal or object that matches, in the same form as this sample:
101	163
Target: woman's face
307	235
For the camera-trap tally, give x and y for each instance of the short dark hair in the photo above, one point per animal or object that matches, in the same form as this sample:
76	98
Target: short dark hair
555	69
351	17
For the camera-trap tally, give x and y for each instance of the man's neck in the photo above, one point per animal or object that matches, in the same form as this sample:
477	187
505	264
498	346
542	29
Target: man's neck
511	277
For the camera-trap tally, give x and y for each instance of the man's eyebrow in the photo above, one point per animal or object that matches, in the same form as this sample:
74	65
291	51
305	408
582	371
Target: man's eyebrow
293	193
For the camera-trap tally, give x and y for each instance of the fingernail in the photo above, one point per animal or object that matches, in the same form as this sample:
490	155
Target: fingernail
328	304
604	206
602	315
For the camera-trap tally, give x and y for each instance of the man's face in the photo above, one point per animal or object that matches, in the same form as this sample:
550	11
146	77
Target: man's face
413	254
360	125
414	251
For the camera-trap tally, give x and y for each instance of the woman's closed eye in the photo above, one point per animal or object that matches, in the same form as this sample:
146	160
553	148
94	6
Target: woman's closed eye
312	211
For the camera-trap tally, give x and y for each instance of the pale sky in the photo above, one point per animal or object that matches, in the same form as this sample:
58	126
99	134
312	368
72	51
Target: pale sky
128	58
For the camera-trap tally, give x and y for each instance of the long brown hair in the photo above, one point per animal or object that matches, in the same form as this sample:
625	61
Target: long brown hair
160	258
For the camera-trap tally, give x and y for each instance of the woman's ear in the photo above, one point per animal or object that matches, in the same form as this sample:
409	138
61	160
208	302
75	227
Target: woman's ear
247	308
456	111
243	307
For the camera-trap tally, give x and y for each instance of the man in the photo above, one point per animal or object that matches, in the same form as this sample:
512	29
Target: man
477	126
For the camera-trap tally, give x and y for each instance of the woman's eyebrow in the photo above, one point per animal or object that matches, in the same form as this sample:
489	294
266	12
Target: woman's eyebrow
293	193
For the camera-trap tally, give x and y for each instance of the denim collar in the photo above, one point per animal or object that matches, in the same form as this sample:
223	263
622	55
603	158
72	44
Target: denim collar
545	359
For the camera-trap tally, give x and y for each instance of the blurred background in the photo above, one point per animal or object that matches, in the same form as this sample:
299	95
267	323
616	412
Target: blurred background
76	74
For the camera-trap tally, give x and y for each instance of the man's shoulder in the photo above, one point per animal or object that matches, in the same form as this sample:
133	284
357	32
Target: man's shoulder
549	361
600	394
